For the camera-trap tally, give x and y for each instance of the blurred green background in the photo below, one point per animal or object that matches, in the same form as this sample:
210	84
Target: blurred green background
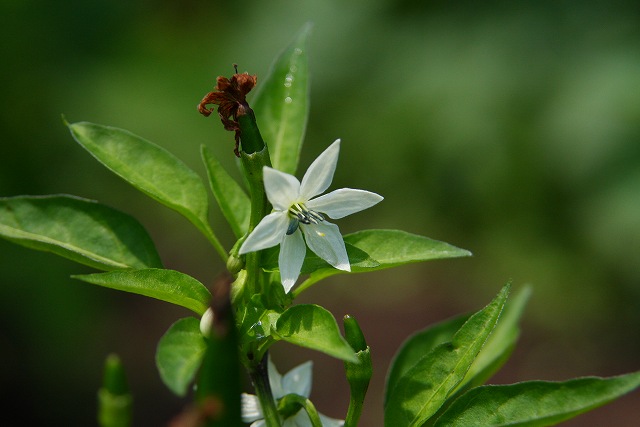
511	129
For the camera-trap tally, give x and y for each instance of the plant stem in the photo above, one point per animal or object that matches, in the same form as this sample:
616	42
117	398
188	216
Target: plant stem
260	379
253	164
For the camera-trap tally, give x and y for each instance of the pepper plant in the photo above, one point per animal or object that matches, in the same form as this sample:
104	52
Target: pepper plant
284	229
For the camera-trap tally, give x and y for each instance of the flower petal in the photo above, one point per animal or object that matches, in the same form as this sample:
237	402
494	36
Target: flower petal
330	422
275	380
325	240
300	419
319	175
292	252
343	202
267	233
251	410
298	380
282	189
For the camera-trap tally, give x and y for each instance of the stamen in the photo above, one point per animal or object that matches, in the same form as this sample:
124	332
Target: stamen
299	212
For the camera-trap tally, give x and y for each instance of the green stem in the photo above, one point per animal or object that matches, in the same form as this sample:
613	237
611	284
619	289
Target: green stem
252	165
260	378
312	280
354	412
292	403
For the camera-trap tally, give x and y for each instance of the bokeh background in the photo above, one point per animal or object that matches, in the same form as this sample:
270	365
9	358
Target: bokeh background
511	129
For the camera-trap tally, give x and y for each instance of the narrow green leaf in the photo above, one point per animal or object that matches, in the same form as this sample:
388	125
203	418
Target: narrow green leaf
313	327
233	201
179	354
418	346
535	403
166	285
500	344
281	104
424	388
149	168
81	230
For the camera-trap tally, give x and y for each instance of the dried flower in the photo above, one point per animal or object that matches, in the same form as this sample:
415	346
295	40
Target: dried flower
230	97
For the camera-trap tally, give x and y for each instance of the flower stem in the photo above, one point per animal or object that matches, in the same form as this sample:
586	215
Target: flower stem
252	165
260	379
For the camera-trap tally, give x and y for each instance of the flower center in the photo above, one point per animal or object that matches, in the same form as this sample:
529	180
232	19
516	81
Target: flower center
299	213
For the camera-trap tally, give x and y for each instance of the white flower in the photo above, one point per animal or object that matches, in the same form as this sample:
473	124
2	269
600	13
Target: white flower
296	212
298	381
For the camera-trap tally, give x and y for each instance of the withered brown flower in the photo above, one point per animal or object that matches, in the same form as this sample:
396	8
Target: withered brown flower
230	97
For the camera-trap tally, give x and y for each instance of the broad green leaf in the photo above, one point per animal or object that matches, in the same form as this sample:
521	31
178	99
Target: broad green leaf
149	168
81	230
424	388
388	248
233	201
312	326
535	403
166	285
418	346
394	247
500	344
281	104
179	354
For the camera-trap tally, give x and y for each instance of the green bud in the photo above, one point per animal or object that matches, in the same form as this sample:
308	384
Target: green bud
353	334
114	398
250	139
234	264
358	374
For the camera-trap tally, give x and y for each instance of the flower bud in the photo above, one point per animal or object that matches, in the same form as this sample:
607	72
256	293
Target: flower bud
358	374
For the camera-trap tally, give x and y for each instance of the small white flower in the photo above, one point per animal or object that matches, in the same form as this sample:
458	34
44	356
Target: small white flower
298	381
296	212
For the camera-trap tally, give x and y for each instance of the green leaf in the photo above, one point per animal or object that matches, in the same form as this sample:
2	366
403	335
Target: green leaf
233	201
392	248
418	346
179	354
81	230
166	285
386	249
500	344
424	388
313	327
149	168
535	403
281	104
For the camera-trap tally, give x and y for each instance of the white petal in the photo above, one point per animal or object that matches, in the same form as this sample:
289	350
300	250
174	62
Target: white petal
275	381
330	422
343	202
320	173
282	189
298	380
292	252
251	410
267	233
206	322
326	241
300	419
259	423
